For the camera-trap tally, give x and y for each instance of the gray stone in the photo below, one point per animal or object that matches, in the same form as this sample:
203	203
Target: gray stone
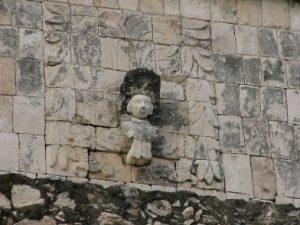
228	99
249	12
185	178
5	12
45	221
155	6
200	91
188	213
105	3
8	41
290	44
293	74
111	23
161	208
4	202
171	91
56	16
167	59
111	219
129	4
205	148
198	9
166	30
64	200
293	102
141	54
86	25
252	70
224	10
109	139
246	40
223	38
295	15
6	112
250	103
268	42
297	141
7	76
171	7
229	68
31	43
275	14
196	32
9	152
23	196
273	71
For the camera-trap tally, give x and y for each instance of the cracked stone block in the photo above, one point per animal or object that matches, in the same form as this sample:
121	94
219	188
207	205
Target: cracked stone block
86	50
290	44
249	12
30	77
224	10
273	103
5	12
282	140
29	115
273	71
223	38
264	178
27	14
75	135
8	41
137	26
238	177
167	59
166	30
111	23
249	35
67	161
56	17
9	152
60	104
229	68
231	134
249	100
275	14
32	153
252	70
293	74
97	109
154	6
107	3
200	91
287	177
294	11
197	62
171	7
228	99
109	139
159	172
293	102
6	112
171	90
198	9
86	25
196	32
256	131
141	54
129	4
7	76
31	43
108	166
268	43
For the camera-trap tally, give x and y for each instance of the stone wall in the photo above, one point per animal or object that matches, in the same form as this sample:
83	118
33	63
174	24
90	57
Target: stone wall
230	97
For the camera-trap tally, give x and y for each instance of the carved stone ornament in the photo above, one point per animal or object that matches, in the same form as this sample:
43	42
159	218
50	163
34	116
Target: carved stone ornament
140	93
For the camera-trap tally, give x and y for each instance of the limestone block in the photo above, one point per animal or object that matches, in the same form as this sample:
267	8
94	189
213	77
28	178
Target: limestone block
107	3
31	43
23	196
171	90
228	99
32	153
249	12
108	166
7	76
287	177
252	70
238	177
273	103
224	10
280	200
294	11
166	30
86	25
56	16
27	14
229	68
250	103
273	71
111	23
6	112
129	4
290	44
246	40
297	141
197	62
231	134
207	148
141	54
64	200
167	59
256	131
171	7
29	115
109	139
8	41
198	9
264	179
275	14
75	135
282	140
200	90
223	38
4	202
185	178
137	26
60	104
82	2
9	152
293	102
268	43
160	172
86	50
5	17
196	32
114	54
293	74
67	161
230	195
97	109
30	77
154	6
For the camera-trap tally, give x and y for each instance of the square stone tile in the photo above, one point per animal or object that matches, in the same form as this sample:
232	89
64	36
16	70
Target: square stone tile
8	41
171	7
9	152
293	74
86	25
166	30
171	90
31	43
109	139
273	72
293	102
297	141
275	14
111	23
154	6
250	101
290	44
249	35
167	59
198	9
6	114
200	91
224	10
268	42
7	76
228	99
249	12
196	32
129	4
223	38
56	17
252	70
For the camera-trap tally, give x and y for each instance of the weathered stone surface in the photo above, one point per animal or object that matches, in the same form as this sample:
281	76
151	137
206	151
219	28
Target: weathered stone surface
238	177
67	161
268	43
89	2
64	200
6	114
230	195
141	55
185	178
60	104
249	12
264	179
31	43
155	6
8	41
129	4
294	11
224	10
256	131
249	99
293	74
108	166
86	25
171	7
45	221
5	15
273	71
196	32
56	17
249	35
111	23
109	139
29	115
171	90
9	152
229	68
252	70
107	3
166	30
297	141
32	154
167	59
273	103
228	99
4	202
223	39
198	9
200	90
23	196
290	44
111	219
275	14
293	102
231	134
188	213
7	76
160	208
75	135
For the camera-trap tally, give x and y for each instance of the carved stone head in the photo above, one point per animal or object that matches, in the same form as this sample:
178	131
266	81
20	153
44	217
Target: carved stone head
140	106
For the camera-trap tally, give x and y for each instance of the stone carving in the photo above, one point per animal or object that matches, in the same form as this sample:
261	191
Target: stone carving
139	100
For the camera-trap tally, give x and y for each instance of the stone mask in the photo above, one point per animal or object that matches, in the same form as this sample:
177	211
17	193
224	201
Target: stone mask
140	106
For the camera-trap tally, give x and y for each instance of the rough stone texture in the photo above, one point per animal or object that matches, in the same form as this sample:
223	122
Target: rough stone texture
224	10
5	9
109	139
31	43
87	25
23	196
8	41
129	4
9	152
4	202
155	6
294	15
172	91
200	91
195	32
111	23
166	30
252	70
7	76
228	97
195	9
293	74
273	73
6	114
293	102
249	35
107	81
167	59
289	41
268	43
141	55
249	12
56	17
250	103
275	14
223	39
171	7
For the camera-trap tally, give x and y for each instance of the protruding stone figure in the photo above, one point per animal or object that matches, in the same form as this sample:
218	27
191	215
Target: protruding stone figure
140	97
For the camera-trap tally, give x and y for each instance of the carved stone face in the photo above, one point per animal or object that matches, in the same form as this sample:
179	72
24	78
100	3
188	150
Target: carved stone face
140	106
